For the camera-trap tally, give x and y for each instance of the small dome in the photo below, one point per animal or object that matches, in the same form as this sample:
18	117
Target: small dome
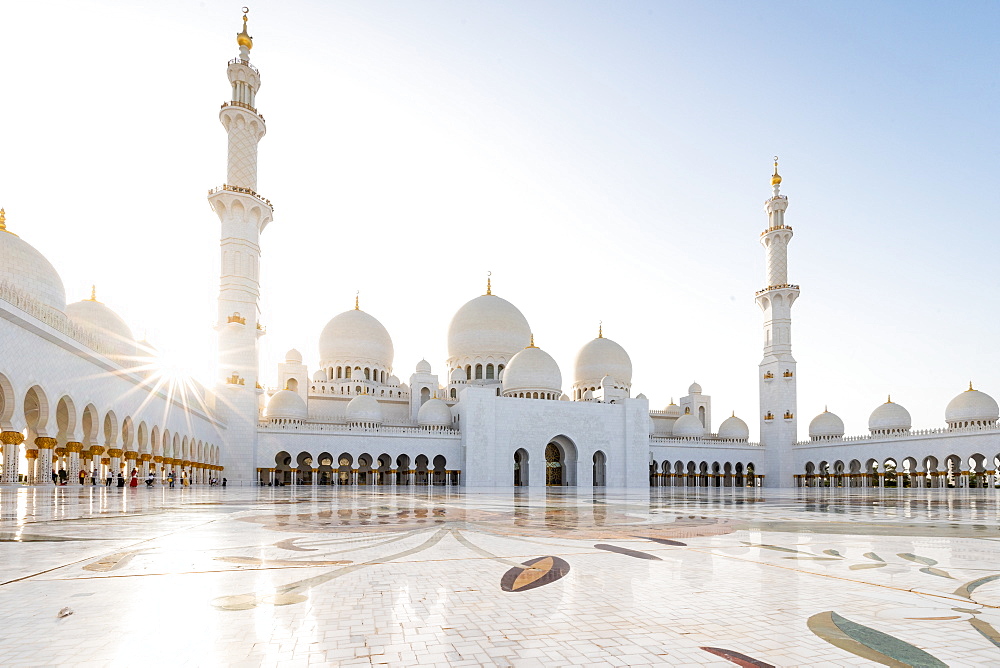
694	389
434	413
101	320
364	409
27	270
826	425
392	381
355	336
889	417
458	375
320	376
971	406
601	357
588	395
673	410
734	429
652	427
564	397
293	356
423	366
286	405
688	426
532	369
641	396
487	325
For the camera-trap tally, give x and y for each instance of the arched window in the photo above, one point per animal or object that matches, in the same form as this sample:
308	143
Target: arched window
347	372
468	371
454	394
701	415
479	372
368	373
292	385
499	369
489	372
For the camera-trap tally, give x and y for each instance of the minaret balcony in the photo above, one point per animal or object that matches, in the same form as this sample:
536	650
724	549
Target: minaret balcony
242	105
783	286
245	63
244	191
776	228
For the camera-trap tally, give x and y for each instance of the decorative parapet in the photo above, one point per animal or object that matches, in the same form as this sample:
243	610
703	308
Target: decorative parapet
769	416
912	433
244	63
245	191
701	442
236	318
54	319
242	105
788	286
235	380
776	227
313	427
768	376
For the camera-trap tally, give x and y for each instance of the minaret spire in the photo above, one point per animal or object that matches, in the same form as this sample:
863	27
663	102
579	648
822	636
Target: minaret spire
777	371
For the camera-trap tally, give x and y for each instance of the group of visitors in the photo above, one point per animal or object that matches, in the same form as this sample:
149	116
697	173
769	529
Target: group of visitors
61	478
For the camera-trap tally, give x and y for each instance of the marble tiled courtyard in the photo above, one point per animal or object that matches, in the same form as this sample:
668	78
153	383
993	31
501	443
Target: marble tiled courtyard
443	576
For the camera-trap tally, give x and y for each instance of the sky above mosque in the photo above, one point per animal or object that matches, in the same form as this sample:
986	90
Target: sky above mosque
605	161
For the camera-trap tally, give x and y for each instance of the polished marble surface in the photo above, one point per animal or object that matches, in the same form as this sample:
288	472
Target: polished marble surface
404	576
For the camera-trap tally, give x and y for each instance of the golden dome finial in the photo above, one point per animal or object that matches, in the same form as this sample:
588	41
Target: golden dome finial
532	344
600	329
826	409
242	38
970	387
93	294
3	220
776	179
889	399
356	306
489	284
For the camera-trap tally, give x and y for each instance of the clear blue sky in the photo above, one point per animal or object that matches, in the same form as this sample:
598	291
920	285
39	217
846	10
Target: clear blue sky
605	160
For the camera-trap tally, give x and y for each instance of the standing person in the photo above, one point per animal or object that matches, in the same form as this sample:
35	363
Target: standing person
63	476
55	478
121	479
108	479
224	481
134	478
185	481
149	479
94	476
83	476
170	479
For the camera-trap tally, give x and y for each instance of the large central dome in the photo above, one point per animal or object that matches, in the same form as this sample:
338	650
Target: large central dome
354	336
487	325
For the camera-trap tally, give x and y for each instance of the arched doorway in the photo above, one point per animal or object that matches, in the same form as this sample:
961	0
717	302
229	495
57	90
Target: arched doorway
521	468
600	469
560	463
553	465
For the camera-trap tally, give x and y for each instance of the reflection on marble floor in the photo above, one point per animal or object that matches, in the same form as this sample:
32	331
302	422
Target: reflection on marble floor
440	576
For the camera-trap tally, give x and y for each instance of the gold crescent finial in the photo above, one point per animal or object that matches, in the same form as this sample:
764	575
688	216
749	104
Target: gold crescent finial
3	220
532	344
775	180
242	38
600	329
970	387
489	285
889	399
93	293
356	307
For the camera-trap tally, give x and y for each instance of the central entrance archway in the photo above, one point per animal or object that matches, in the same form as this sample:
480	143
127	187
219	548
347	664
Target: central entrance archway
560	462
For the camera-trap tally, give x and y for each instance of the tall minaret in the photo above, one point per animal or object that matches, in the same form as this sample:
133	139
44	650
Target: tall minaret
778	419
243	214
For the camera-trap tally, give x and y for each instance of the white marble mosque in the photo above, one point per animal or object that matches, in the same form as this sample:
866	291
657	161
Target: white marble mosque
77	395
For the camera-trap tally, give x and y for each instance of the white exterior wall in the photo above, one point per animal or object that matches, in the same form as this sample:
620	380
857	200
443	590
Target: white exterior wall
493	428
